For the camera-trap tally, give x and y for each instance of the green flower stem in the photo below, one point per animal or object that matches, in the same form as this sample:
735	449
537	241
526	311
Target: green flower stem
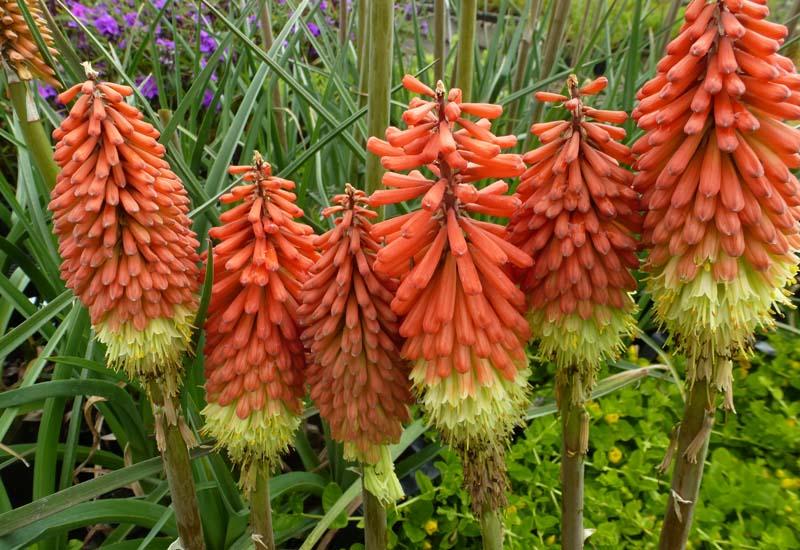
175	454
492	529
669	21
693	436
343	30
265	27
362	55
555	32
574	426
523	55
37	140
261	510
381	43
467	17
374	522
363	51
439	31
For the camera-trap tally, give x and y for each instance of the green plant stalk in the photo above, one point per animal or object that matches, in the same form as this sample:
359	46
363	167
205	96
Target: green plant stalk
465	62
574	426
694	433
794	15
374	522
261	510
37	140
343	23
558	23
178	468
492	529
669	20
439	32
265	28
381	43
576	52
363	51
523	55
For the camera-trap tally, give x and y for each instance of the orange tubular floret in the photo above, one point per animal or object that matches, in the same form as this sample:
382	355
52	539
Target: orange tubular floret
254	356
577	220
355	373
120	214
715	176
460	313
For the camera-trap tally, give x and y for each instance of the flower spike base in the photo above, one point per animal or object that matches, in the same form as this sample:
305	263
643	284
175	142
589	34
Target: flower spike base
129	254
254	357
578	217
715	172
460	311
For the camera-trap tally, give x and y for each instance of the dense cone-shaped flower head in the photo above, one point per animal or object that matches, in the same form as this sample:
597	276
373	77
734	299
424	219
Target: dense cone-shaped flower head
460	310
578	220
254	356
18	48
356	375
120	215
715	172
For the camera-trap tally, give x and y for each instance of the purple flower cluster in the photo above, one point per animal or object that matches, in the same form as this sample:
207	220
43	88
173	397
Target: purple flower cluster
122	23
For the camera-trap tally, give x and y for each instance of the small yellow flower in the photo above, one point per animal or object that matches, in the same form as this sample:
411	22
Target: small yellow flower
511	509
633	353
780	474
614	455
593	407
551	539
431	526
790	483
427	545
611	418
791	422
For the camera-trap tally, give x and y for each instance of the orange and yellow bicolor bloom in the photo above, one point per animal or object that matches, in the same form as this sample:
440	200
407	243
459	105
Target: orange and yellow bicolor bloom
128	250
356	375
715	170
460	310
254	357
578	219
18	48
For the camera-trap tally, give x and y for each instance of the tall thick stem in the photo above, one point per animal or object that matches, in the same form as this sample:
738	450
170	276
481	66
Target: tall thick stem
523	55
363	51
465	62
381	43
36	139
669	20
343	30
492	529
575	433
265	28
175	454
439	32
555	32
261	510
374	522
794	15
693	436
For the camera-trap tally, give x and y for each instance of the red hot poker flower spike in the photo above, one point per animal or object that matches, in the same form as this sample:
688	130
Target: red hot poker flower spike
120	215
356	375
254	357
578	219
715	170
460	311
